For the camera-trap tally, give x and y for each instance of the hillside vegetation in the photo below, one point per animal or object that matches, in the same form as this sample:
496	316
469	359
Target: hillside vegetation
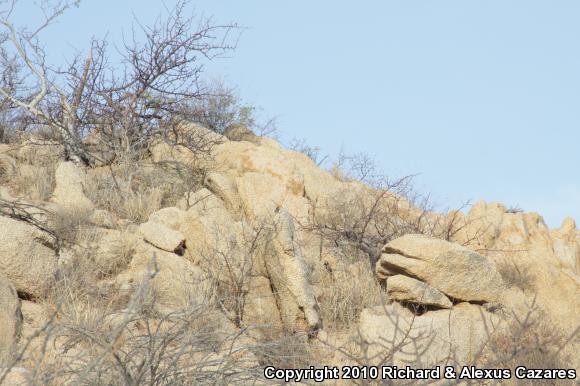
150	233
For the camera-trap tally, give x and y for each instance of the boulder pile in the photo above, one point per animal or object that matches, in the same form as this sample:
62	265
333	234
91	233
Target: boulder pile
426	271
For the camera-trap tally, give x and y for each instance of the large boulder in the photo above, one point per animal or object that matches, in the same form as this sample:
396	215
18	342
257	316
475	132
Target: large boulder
289	277
434	338
566	241
407	289
239	132
10	317
266	262
529	254
163	237
171	217
450	268
176	285
69	188
26	258
292	177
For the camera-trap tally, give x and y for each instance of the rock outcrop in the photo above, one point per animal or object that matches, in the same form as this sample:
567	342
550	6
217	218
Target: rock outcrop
289	277
176	282
27	258
456	271
10	318
265	241
545	261
434	338
239	132
163	237
69	190
406	289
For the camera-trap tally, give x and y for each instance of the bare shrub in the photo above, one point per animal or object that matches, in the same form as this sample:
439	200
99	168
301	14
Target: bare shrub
358	167
220	108
312	152
285	350
229	266
34	181
515	275
134	192
66	225
127	103
514	209
89	340
346	290
531	340
359	223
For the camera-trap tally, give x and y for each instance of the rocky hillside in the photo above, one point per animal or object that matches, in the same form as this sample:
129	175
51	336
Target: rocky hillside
190	268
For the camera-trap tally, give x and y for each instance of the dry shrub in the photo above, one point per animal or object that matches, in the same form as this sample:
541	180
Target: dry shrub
28	168
345	291
7	168
531	340
68	225
35	176
90	342
133	191
285	350
121	252
360	220
229	266
515	275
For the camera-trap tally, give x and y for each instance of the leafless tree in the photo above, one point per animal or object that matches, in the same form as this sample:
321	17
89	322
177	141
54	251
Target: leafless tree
363	224
125	104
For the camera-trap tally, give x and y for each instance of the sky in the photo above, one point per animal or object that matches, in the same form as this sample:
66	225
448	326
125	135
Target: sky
479	98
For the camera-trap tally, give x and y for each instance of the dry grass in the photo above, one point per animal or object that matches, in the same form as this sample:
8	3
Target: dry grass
346	290
515	275
134	192
34	181
531	340
68	225
92	340
29	169
286	351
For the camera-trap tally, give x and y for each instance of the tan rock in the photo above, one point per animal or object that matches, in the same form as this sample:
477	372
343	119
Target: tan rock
177	147
452	269
163	237
25	258
177	284
7	167
69	188
289	277
226	189
261	307
566	241
35	316
102	218
238	132
10	318
542	257
171	217
434	338
211	230
407	289
292	176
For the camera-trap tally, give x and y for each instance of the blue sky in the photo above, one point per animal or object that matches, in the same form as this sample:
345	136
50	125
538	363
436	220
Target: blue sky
480	97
